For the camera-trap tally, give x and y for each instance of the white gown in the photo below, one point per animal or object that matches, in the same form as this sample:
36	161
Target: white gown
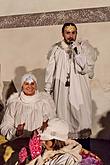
73	103
31	110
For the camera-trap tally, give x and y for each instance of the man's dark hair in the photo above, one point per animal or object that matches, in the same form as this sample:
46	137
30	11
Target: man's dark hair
68	24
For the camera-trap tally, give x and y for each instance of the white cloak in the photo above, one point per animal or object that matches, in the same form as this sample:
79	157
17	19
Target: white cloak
73	103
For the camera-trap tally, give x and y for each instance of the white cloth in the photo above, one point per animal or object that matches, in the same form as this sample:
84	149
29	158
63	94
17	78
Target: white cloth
73	103
57	129
31	110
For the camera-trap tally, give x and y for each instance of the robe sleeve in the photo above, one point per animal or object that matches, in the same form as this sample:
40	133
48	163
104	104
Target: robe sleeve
49	76
91	54
81	61
49	109
7	125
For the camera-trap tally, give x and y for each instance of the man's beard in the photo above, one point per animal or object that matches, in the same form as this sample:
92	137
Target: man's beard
69	42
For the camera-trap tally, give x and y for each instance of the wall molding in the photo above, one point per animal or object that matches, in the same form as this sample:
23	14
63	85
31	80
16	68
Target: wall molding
87	15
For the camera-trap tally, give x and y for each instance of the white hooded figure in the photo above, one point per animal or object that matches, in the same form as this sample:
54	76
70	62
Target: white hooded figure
27	110
59	150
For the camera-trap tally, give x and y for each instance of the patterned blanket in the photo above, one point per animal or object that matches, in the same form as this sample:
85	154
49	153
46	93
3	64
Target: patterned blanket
13	151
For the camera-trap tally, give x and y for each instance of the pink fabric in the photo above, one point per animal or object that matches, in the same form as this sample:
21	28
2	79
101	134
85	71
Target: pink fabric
23	155
35	147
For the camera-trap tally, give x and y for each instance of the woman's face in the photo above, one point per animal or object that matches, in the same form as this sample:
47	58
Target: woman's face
29	88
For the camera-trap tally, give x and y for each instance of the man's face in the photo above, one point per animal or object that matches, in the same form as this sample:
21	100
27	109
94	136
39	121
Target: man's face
29	88
69	34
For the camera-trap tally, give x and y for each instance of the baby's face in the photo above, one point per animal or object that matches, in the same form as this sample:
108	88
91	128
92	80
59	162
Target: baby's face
47	144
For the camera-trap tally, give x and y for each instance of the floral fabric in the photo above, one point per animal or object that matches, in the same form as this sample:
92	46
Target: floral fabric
89	158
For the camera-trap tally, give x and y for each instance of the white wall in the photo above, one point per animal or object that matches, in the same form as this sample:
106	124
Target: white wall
99	35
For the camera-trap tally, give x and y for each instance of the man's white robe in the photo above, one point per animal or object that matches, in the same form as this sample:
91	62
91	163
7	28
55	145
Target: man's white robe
73	103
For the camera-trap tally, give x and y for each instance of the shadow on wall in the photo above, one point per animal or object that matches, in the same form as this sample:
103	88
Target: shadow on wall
12	86
8	89
98	121
40	75
20	71
15	84
103	121
1	111
105	124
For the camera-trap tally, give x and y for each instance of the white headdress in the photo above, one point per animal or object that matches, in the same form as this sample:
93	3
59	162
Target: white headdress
57	129
29	77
